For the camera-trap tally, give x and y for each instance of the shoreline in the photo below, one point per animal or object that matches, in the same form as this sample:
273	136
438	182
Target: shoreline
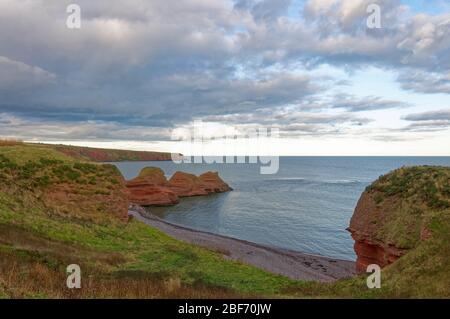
289	263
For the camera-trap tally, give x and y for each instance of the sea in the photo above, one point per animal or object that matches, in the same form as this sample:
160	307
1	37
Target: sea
306	206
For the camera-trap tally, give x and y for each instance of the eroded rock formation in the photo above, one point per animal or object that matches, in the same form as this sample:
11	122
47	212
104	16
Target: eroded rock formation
212	183
151	188
185	185
393	214
364	227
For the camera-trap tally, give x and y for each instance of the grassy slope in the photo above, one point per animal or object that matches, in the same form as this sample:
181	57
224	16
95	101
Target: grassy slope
419	194
110	155
422	197
37	242
110	251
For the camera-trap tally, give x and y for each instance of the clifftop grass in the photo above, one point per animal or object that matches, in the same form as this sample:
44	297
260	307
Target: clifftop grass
151	171
415	215
409	197
110	155
37	177
70	216
421	185
47	223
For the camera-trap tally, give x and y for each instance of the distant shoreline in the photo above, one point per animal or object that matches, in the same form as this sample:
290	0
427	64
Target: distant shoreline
289	263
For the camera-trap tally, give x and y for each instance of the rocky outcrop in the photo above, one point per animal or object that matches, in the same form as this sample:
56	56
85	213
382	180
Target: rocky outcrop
212	183
392	215
153	175
151	187
364	226
62	187
144	193
186	185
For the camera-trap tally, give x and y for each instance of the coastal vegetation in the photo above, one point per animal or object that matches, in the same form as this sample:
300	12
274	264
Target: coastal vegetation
83	153
111	155
58	209
10	142
405	215
151	187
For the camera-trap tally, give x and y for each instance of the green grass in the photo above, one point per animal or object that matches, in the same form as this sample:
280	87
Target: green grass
151	171
148	250
3	294
41	233
422	185
21	154
143	250
423	272
409	195
107	155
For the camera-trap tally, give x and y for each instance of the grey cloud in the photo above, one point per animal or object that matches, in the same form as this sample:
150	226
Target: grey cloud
15	75
370	103
442	115
427	126
335	32
17	127
163	101
293	122
425	82
349	15
428	121
161	63
393	138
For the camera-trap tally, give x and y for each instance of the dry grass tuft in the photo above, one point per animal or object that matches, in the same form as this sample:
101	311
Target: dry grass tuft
23	278
10	142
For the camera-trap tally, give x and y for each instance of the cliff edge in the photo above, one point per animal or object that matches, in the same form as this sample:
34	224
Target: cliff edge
399	212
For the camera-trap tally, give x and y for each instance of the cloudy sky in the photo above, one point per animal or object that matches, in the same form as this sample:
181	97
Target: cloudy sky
139	70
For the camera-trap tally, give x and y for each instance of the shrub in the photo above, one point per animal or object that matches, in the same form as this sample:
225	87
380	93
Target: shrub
73	175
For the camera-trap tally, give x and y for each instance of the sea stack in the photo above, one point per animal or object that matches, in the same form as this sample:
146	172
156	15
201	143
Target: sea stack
186	185
151	188
212	183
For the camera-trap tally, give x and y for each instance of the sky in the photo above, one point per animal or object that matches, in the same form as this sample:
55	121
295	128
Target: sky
142	74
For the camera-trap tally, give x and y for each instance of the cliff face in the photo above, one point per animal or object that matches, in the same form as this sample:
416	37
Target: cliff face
111	155
364	226
151	187
390	218
186	185
88	196
144	193
42	177
212	183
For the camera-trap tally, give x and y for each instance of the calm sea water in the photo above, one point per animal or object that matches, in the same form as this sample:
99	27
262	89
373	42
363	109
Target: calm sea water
305	207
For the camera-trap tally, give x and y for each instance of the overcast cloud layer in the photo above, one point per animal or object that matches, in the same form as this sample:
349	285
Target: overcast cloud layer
138	69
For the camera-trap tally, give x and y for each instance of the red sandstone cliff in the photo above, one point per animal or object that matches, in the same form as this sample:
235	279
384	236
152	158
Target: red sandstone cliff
111	155
185	185
151	187
364	226
393	214
212	183
92	190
